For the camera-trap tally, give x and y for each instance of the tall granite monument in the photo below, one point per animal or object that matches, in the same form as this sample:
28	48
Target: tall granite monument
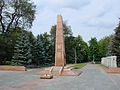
60	59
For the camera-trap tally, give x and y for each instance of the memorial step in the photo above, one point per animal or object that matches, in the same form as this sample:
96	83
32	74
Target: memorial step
56	71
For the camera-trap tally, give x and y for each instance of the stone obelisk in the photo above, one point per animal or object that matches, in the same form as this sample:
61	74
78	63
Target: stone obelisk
60	59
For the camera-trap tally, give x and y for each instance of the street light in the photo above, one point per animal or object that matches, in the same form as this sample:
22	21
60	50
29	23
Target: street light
76	54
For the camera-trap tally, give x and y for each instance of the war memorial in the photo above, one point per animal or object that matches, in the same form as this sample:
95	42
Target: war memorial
60	76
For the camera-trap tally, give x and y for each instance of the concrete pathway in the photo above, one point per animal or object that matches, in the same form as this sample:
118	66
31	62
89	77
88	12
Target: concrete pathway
92	78
11	78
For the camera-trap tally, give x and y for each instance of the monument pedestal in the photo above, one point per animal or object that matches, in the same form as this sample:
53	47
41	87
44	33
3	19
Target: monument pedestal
60	71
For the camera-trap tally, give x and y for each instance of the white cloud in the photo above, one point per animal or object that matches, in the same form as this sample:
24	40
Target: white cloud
88	18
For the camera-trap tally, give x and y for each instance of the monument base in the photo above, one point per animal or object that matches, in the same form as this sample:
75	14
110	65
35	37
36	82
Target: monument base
60	71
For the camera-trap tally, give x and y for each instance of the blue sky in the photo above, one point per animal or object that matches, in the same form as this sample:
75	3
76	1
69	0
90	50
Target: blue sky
88	18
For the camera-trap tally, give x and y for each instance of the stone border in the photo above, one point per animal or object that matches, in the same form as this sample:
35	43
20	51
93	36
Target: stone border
12	68
111	70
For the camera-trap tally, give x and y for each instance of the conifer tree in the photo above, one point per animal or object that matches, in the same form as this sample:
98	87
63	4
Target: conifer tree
42	50
22	51
114	49
32	41
47	46
38	50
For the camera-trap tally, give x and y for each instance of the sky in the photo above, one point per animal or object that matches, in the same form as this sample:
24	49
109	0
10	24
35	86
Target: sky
88	18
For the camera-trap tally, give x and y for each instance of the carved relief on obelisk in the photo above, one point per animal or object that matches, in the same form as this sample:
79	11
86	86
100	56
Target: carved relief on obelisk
59	45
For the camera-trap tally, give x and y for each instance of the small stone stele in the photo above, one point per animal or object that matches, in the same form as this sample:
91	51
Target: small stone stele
46	76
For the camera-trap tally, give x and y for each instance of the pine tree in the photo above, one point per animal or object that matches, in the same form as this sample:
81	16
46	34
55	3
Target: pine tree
38	51
114	49
47	46
42	53
22	51
32	41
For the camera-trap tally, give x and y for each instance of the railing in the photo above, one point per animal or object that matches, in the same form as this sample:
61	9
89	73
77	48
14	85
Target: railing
110	61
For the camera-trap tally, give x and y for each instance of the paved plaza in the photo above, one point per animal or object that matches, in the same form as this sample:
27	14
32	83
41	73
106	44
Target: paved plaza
92	78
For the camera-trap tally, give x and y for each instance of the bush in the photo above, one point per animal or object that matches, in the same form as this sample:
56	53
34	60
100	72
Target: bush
97	62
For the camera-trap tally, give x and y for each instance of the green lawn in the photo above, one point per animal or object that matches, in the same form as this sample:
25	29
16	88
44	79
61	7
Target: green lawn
78	66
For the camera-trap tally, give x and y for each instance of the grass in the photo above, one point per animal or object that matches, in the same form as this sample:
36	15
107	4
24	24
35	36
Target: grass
78	66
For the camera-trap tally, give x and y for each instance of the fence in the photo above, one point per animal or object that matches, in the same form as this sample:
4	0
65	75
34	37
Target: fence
110	61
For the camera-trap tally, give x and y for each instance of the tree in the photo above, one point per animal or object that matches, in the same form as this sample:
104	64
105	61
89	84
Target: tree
69	49
22	51
47	47
32	41
67	33
71	44
114	49
7	43
94	50
81	49
42	53
3	48
16	13
104	45
66	30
